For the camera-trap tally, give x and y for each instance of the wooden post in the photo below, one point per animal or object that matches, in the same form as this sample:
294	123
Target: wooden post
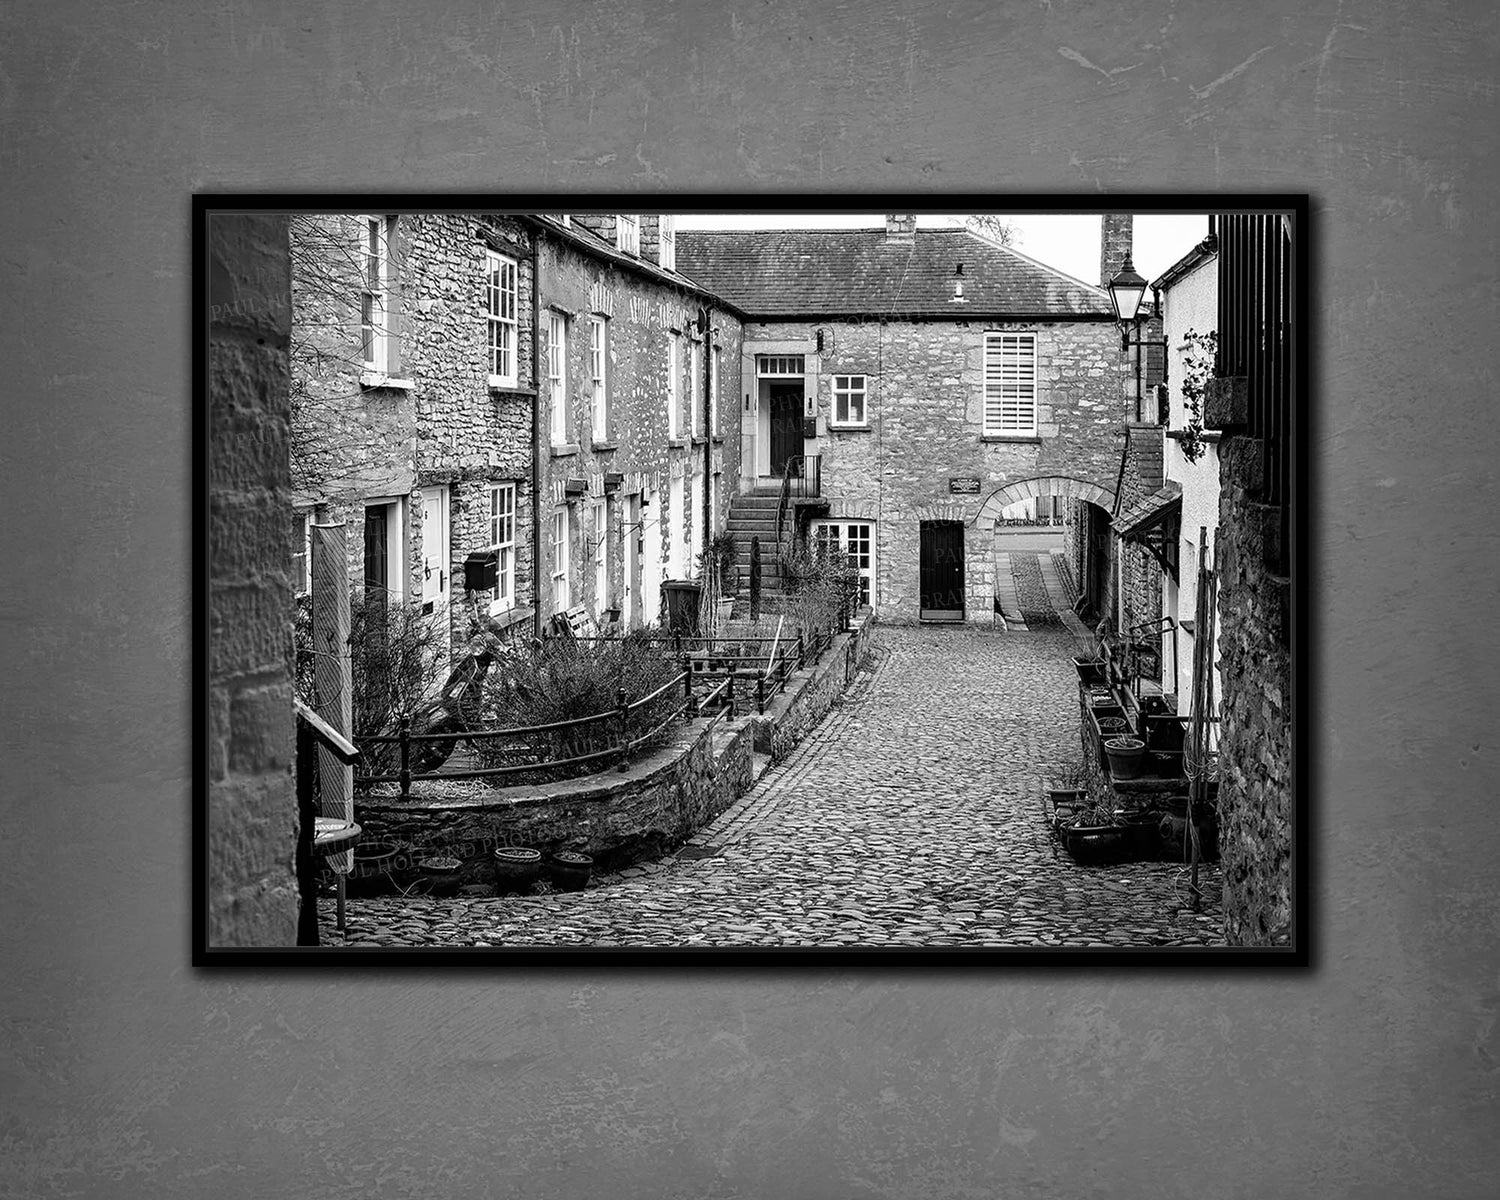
622	717
405	733
333	680
755	578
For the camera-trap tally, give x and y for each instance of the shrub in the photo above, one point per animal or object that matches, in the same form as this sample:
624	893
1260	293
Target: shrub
563	680
817	584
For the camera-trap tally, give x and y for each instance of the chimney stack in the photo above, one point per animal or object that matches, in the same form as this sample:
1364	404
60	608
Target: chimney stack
1115	237
900	229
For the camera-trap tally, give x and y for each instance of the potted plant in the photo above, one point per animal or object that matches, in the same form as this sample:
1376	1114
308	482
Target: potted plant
1068	794
1090	667
1096	835
1125	756
442	873
374	869
517	868
569	870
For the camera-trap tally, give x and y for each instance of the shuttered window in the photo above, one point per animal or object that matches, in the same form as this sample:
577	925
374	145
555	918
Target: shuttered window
1010	383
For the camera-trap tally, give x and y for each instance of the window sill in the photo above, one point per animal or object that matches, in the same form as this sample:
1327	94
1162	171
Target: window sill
699	440
507	617
564	449
1208	435
718	439
498	384
832	428
1019	439
379	379
603	447
677	443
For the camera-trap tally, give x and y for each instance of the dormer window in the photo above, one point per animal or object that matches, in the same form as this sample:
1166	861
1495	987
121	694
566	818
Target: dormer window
628	232
666	241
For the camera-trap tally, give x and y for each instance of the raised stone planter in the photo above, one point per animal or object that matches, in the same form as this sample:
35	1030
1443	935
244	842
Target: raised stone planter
616	817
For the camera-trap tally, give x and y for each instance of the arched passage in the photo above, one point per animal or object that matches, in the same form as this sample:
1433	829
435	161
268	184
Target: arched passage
1047	485
1087	546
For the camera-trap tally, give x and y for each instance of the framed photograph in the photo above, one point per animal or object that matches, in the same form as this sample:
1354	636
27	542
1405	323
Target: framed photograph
753	576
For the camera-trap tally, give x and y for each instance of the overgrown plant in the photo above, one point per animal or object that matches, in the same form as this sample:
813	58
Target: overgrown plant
817	586
1198	354
563	680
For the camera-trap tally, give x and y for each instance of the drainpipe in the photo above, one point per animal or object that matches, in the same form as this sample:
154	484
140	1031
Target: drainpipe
706	328
536	437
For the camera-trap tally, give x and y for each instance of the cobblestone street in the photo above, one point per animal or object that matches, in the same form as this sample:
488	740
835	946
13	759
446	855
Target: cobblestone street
913	816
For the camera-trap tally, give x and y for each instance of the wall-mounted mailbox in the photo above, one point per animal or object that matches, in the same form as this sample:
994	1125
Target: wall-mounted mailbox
809	427
482	571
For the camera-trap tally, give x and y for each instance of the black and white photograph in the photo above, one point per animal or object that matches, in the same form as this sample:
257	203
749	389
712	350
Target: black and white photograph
746	578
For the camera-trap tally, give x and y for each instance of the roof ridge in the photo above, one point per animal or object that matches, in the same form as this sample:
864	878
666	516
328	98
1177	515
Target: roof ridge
1061	274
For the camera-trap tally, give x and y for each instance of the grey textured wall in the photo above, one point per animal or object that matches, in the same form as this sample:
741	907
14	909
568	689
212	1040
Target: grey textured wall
124	1073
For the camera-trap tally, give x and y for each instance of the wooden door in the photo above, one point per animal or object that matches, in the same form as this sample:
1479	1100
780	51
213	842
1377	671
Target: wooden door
435	557
942	571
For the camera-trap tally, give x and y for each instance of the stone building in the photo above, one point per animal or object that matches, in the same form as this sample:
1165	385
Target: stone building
639	418
1253	402
413	393
922	381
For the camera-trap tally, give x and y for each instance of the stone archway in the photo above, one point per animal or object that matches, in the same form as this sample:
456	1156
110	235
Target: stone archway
1048	485
1081	555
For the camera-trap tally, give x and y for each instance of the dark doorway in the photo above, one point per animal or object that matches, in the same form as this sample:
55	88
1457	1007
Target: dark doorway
942	571
377	560
786	423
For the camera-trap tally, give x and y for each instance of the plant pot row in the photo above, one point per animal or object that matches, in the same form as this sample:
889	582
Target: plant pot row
1146	835
382	868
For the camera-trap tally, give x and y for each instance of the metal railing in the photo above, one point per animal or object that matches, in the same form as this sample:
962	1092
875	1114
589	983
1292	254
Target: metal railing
801	479
546	750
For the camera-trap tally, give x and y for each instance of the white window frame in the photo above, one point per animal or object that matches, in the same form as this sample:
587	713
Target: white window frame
601	555
695	385
695	527
666	241
713	392
841	534
557	375
501	536
674	387
677	545
562	592
1010	384
845	389
500	303
599	370
628	232
374	293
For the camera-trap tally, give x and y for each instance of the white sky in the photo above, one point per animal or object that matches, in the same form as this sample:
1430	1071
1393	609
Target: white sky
1067	241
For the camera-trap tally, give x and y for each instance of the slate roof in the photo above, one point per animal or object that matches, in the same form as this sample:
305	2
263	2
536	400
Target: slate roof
1145	513
836	272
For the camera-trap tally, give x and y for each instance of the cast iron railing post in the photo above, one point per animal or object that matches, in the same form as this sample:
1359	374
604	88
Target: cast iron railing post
622	718
760	693
405	758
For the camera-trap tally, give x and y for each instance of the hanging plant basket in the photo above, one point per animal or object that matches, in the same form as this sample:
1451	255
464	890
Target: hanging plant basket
1125	756
517	868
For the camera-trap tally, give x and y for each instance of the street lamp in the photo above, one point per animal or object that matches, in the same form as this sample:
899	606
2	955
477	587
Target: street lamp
1126	291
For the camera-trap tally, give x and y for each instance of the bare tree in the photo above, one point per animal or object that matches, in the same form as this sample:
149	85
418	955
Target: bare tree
994	227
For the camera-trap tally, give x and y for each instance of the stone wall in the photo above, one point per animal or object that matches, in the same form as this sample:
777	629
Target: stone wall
657	802
1255	798
252	810
925	404
811	692
1138	573
643	313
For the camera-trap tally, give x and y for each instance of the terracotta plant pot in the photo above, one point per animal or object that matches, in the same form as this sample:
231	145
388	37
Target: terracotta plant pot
1125	755
442	874
569	870
517	868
